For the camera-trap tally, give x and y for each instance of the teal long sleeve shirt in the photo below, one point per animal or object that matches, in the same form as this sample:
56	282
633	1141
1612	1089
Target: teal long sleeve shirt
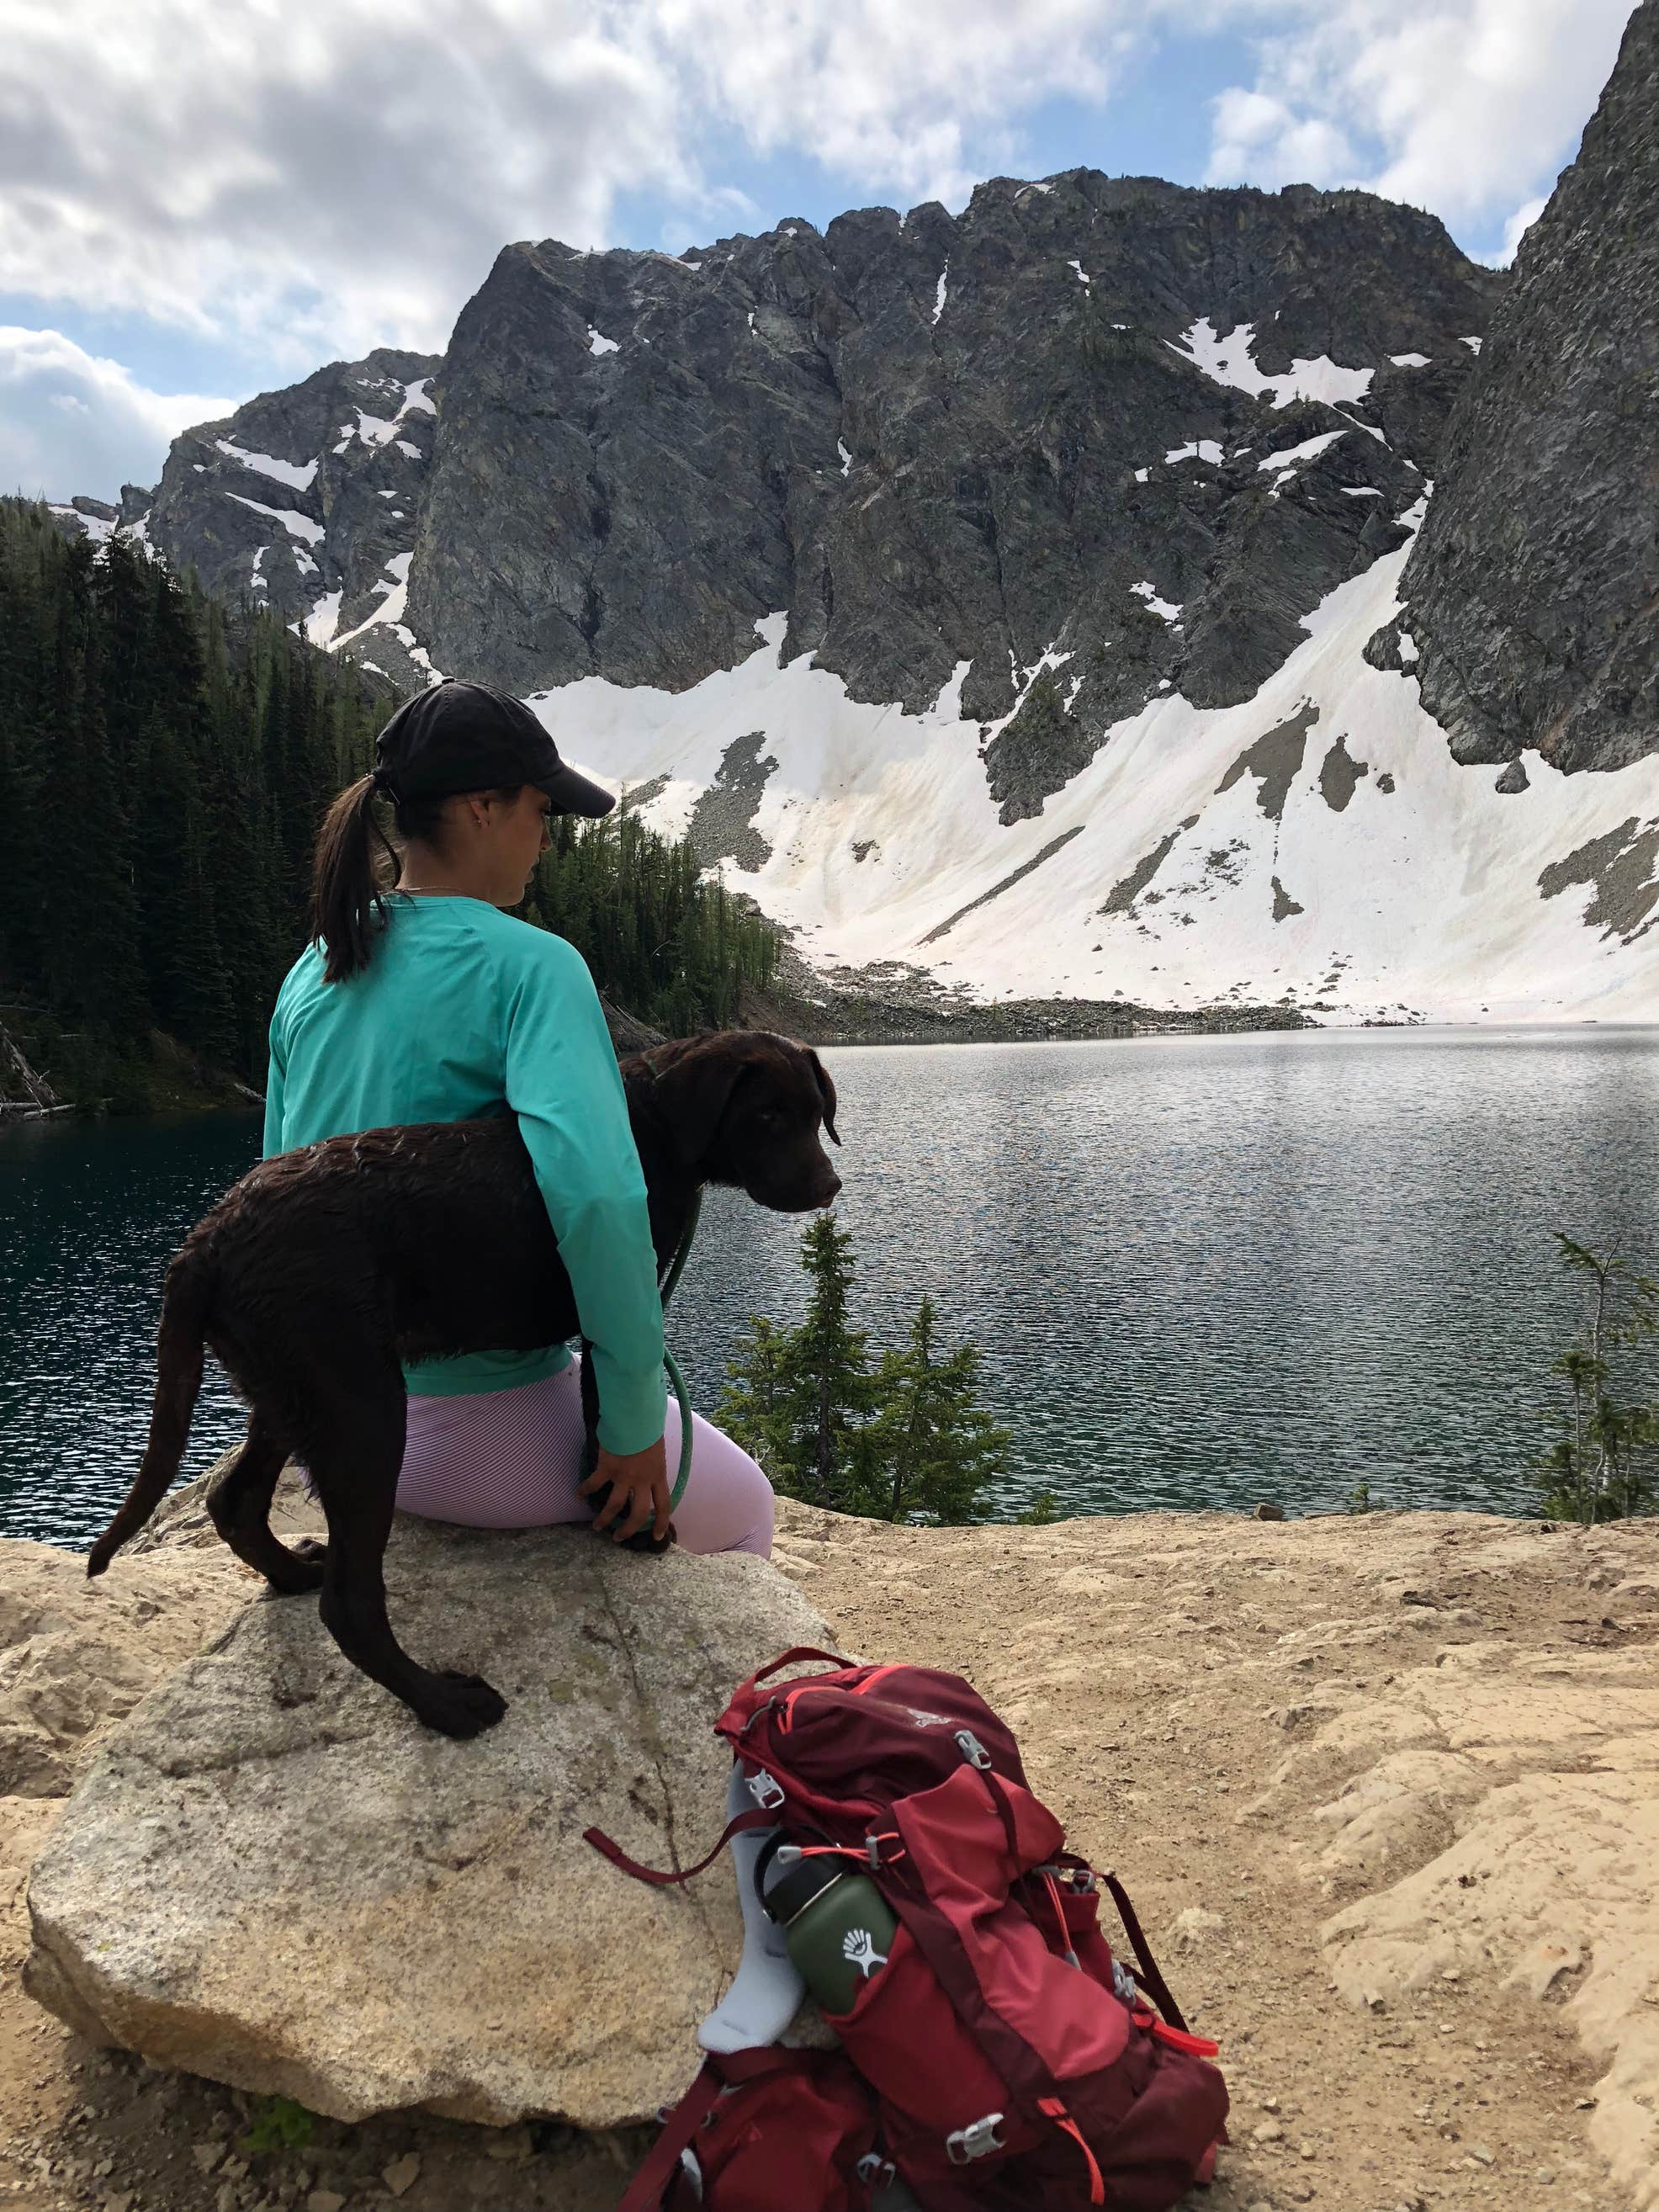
464	1011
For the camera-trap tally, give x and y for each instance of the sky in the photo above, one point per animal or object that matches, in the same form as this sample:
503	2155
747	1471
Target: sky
202	199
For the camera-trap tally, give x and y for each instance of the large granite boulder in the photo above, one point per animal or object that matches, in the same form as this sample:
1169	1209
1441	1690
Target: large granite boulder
272	1876
75	1657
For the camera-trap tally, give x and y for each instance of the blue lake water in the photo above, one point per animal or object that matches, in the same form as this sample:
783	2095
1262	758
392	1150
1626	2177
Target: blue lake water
1201	1271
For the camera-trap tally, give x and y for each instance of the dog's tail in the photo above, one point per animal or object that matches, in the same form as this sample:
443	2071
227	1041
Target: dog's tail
184	1303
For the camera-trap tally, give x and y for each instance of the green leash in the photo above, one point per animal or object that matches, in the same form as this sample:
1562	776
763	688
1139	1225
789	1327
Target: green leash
676	1270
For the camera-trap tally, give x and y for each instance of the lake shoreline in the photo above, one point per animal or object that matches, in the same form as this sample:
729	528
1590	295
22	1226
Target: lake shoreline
1213	1272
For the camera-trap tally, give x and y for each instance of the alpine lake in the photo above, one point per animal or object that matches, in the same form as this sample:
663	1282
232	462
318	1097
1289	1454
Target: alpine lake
1201	1271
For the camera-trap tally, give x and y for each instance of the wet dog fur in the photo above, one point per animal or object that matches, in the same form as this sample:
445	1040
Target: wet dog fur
322	1268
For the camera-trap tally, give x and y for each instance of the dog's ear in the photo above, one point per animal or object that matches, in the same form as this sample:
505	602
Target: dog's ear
700	1084
826	1094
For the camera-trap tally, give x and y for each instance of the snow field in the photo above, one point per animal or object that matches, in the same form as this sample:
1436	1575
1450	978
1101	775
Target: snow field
1424	896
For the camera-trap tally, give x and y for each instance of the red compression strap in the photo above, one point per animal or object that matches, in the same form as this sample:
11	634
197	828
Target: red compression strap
1066	1949
618	1857
1196	2046
646	2191
1062	2119
860	1852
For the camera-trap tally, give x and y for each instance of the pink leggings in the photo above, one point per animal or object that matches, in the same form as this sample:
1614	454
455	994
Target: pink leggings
509	1459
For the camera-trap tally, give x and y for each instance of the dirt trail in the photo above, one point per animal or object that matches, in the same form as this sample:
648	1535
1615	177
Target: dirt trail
1385	1791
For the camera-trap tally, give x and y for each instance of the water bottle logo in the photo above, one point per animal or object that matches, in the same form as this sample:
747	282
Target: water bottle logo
860	1948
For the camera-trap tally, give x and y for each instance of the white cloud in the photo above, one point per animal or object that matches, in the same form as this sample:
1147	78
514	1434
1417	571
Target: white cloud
918	101
1463	106
70	421
317	178
1260	139
1517	227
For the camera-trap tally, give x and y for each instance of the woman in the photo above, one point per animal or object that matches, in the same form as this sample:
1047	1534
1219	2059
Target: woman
433	1004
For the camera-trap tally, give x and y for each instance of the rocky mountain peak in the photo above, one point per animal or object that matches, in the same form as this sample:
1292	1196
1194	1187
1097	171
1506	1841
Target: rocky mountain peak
1531	593
998	442
990	441
306	500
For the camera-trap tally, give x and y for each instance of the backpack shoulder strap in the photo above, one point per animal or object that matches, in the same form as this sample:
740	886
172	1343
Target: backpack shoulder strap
1150	1979
650	2184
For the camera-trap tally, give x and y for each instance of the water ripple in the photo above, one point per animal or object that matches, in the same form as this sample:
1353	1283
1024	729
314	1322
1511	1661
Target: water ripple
1201	1271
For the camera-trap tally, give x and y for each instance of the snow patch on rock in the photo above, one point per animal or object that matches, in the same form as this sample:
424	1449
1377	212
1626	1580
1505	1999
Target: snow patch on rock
267	465
1229	361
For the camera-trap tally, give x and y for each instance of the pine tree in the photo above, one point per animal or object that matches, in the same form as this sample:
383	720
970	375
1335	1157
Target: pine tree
798	1396
1604	1463
830	1383
165	760
755	1409
910	1442
931	1449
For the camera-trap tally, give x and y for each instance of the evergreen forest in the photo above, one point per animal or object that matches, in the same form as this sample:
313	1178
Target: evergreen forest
164	762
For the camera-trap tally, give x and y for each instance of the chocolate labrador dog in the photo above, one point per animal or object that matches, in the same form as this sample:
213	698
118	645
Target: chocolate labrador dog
322	1268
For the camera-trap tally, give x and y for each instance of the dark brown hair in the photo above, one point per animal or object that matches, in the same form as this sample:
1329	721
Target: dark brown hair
350	881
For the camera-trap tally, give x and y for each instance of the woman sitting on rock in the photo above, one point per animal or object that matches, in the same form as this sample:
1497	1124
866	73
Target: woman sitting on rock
433	1004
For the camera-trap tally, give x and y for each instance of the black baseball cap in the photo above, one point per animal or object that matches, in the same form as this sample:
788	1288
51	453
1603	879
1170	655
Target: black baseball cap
465	736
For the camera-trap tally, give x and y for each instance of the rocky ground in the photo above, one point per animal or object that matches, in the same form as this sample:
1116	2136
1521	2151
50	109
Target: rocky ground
1385	1791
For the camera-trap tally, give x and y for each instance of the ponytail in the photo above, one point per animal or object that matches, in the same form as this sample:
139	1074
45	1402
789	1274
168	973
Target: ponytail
349	881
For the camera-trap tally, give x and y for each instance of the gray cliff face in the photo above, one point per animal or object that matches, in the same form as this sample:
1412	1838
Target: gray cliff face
978	439
1091	441
306	500
1532	590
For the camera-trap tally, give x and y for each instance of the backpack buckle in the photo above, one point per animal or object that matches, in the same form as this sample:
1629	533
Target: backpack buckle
767	1793
974	1752
875	2171
1084	1880
977	2141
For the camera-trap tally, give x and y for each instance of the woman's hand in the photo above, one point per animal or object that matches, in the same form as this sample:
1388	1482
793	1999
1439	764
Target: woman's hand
638	1483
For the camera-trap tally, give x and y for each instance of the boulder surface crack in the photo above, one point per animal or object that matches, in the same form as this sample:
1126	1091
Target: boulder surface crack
652	1742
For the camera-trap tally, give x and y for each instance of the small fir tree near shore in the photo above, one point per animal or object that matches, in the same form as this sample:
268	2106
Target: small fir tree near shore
1604	1463
930	1449
904	1441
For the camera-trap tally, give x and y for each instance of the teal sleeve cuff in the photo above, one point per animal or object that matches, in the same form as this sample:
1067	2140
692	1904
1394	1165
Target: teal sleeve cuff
633	1407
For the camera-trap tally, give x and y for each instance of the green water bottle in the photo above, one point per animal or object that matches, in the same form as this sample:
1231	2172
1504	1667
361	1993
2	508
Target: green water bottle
837	1927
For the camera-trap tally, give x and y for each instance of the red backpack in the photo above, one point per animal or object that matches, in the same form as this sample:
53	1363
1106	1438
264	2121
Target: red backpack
765	2131
1011	2059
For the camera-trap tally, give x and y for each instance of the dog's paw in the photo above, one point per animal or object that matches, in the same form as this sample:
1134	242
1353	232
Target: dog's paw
460	1705
293	1570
